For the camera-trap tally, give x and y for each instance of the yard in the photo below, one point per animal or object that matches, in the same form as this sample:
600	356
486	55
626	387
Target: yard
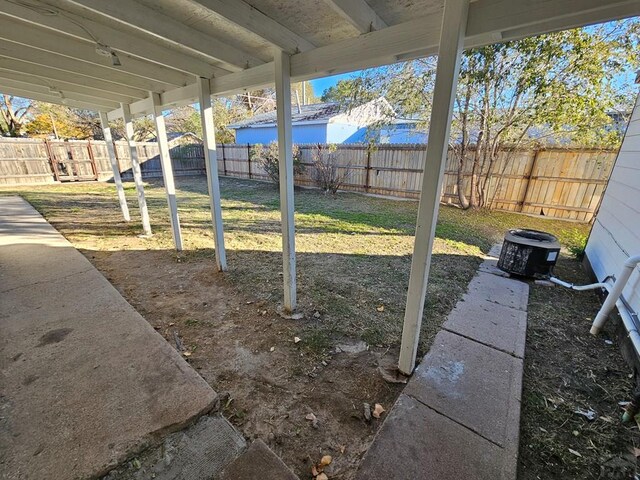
354	254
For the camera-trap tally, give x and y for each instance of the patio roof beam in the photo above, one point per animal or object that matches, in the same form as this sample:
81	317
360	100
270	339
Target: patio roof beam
121	41
73	67
256	22
419	38
285	165
451	42
37	92
55	86
117	179
149	22
129	133
28	87
19	67
52	99
211	166
24	33
167	169
359	14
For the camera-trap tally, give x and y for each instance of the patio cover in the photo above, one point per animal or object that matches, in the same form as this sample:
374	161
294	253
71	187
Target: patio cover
128	58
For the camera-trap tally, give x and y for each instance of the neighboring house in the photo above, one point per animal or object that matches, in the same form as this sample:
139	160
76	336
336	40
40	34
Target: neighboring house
616	232
327	123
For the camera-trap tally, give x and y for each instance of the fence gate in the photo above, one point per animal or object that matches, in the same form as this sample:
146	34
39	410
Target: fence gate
72	161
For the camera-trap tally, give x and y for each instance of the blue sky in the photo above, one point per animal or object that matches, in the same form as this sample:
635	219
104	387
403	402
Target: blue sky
321	84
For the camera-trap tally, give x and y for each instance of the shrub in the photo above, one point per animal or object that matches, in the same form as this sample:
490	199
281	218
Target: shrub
328	174
576	242
267	157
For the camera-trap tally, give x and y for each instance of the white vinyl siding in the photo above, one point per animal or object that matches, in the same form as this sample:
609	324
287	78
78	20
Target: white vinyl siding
616	231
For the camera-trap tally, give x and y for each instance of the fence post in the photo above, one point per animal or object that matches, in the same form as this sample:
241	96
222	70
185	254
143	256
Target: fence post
92	158
367	180
224	161
528	177
52	160
249	158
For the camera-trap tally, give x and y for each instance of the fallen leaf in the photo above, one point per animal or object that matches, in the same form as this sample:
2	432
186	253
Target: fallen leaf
314	471
380	308
378	410
186	354
322	476
313	419
296	339
326	460
272	349
588	414
577	454
342	448
171	324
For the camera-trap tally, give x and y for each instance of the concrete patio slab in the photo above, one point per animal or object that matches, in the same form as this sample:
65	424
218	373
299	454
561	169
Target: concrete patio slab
459	415
503	328
86	380
504	291
258	463
201	451
415	442
472	384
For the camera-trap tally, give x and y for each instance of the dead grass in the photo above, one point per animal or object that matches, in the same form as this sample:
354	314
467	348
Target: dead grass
354	252
567	370
354	255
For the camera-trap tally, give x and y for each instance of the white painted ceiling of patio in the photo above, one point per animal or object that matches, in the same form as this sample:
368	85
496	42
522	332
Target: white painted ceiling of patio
48	48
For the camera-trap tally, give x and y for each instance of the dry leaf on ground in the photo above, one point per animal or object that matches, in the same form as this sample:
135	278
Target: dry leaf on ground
378	410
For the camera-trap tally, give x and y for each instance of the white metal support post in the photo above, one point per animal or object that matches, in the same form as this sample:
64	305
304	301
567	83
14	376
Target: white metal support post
454	23
135	167
117	180
285	155
211	166
167	170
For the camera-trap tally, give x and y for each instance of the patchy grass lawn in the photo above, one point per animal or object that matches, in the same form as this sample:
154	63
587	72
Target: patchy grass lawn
354	255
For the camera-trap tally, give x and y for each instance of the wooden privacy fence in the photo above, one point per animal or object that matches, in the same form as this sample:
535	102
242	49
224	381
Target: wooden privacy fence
557	183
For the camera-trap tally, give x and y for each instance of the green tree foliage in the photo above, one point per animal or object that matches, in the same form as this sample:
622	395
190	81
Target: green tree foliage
559	88
59	121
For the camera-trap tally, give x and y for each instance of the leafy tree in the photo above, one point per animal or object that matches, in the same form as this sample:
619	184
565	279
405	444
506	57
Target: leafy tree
14	113
558	88
184	119
63	122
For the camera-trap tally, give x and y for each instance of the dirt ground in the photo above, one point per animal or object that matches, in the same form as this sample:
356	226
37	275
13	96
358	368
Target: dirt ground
567	370
353	255
245	350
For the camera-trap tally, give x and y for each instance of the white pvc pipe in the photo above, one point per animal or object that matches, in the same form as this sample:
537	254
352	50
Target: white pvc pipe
591	286
614	294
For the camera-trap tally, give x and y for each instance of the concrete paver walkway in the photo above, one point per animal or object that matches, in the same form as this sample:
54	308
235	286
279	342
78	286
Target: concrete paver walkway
459	415
85	380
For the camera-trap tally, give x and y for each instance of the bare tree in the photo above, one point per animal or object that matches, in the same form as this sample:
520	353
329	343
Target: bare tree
328	174
13	115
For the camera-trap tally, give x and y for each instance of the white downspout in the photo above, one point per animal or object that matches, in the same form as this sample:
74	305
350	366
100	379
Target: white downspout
614	294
